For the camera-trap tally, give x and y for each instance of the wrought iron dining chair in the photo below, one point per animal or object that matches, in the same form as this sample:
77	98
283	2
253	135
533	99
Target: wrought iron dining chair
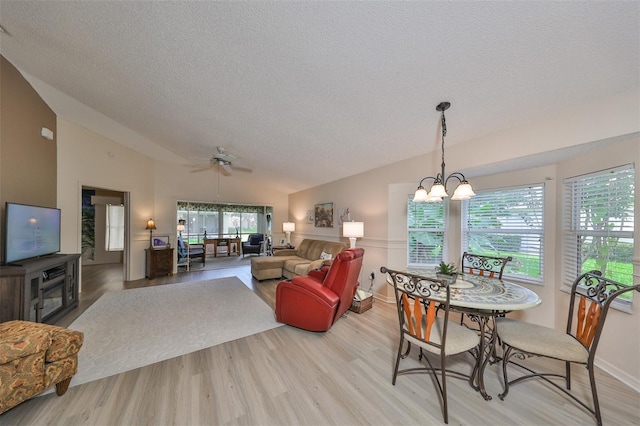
419	300
576	345
484	266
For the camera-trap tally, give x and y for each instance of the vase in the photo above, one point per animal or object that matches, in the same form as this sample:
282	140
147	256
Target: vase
450	279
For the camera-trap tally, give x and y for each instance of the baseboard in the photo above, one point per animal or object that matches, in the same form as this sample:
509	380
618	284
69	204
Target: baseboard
623	376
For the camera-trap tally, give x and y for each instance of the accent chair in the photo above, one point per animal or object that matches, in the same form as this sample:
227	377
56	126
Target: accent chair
316	301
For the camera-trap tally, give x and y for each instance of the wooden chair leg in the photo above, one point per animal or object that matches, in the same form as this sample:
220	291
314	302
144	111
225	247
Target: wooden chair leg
61	387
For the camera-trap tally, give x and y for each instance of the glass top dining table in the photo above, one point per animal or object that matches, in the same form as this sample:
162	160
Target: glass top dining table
482	299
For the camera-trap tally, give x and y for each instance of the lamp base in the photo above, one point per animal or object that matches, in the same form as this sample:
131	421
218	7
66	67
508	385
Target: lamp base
288	234
352	242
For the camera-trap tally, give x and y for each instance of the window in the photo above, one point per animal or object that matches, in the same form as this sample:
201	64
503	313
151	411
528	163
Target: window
426	224
598	224
114	234
507	222
222	220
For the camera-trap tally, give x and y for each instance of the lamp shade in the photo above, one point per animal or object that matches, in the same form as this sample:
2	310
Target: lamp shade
180	228
151	224
420	195
353	229
288	227
437	190
463	192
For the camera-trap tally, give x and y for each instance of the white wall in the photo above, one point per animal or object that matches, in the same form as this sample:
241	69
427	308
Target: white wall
85	158
88	159
177	182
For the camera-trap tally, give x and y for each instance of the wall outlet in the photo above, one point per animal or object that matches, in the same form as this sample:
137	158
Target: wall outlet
372	276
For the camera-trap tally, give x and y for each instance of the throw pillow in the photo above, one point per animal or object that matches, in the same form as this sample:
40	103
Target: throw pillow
325	256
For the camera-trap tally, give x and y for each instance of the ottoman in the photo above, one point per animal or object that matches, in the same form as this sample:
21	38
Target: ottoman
34	357
268	267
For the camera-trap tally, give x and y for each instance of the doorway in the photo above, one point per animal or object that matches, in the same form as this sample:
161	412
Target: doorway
94	236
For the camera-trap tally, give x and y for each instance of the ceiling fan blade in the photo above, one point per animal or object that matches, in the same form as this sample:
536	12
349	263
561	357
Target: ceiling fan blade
202	169
242	166
227	168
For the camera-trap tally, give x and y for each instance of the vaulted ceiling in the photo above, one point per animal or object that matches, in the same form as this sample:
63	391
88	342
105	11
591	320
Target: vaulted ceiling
309	92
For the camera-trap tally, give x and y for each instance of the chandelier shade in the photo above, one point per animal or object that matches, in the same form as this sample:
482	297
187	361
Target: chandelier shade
438	190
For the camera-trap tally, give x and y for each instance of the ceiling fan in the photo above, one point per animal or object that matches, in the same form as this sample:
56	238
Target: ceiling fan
225	162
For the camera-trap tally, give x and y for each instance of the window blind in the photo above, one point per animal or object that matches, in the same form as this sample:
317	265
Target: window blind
426	224
508	222
598	224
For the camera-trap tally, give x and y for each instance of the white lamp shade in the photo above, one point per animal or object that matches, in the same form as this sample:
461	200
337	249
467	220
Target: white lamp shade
420	195
180	228
463	192
288	227
353	229
438	191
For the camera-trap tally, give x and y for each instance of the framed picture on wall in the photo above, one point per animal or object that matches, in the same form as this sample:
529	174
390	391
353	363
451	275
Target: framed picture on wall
159	242
324	215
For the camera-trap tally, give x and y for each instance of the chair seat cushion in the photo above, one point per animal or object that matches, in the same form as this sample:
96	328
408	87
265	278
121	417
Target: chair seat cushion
540	340
459	338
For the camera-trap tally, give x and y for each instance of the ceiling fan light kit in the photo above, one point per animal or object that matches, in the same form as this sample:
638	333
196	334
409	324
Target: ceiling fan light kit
227	162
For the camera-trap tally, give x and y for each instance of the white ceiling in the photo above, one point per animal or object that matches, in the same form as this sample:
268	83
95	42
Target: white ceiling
309	92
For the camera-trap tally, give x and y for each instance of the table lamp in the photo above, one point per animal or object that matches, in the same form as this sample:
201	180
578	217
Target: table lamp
151	225
180	226
288	228
353	230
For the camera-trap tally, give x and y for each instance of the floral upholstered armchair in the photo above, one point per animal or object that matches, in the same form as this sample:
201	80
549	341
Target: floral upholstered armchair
34	357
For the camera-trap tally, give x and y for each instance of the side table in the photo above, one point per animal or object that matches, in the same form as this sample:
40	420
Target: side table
159	262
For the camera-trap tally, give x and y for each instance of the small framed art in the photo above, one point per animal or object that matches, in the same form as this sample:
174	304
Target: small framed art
159	242
324	215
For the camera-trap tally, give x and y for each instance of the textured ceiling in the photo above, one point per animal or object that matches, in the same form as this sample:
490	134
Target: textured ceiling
342	86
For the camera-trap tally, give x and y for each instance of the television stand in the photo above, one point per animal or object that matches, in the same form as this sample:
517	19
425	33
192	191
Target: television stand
43	289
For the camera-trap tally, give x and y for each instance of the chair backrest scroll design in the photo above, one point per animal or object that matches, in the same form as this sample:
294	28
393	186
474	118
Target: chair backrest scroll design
417	300
598	292
485	266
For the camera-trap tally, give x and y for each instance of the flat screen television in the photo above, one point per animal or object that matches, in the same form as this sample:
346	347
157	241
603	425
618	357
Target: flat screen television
30	231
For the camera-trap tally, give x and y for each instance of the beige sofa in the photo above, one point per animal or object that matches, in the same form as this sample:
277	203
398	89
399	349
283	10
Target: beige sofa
292	262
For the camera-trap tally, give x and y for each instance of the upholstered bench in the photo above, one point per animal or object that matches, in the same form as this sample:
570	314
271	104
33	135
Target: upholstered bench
33	357
268	267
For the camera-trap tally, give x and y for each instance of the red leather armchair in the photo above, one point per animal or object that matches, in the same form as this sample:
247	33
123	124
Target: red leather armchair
314	302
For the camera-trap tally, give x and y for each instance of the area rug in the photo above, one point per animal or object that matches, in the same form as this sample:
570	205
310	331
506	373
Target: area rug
129	329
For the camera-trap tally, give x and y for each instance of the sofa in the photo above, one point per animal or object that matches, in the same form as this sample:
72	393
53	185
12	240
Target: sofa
33	357
290	263
316	301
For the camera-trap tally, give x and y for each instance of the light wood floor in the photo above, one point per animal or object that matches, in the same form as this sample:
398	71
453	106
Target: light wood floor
288	376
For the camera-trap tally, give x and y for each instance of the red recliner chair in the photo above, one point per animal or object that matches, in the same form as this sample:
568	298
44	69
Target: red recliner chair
315	301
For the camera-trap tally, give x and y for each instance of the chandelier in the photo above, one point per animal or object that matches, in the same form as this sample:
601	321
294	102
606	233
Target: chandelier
438	190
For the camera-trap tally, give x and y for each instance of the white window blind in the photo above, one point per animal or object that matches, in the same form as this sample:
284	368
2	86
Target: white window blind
598	224
114	236
508	222
426	223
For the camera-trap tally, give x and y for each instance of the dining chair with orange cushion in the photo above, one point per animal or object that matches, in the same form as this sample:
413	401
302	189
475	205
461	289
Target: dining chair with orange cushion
423	311
483	265
591	298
